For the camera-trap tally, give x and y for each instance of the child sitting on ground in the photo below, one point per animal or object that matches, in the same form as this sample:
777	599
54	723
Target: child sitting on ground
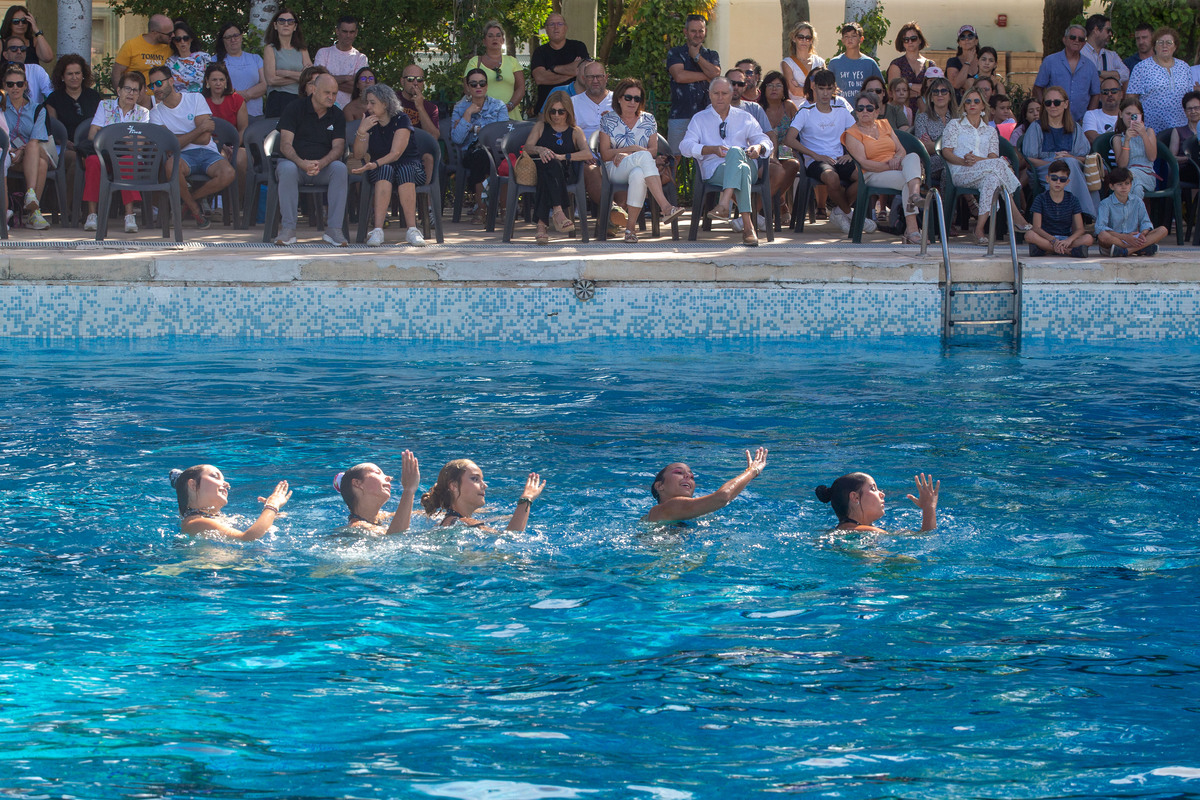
1058	218
1123	227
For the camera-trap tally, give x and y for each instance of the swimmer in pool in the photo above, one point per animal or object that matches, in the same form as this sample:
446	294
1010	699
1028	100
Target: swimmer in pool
858	502
674	487
203	491
365	489
460	491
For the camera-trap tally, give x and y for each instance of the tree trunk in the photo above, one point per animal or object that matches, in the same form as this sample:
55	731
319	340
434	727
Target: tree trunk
75	28
857	9
616	10
793	11
261	12
1055	19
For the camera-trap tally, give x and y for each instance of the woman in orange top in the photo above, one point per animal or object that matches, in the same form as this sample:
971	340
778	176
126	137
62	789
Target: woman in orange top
875	146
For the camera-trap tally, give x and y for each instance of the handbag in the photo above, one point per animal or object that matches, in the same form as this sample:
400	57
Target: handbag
51	148
525	170
1093	171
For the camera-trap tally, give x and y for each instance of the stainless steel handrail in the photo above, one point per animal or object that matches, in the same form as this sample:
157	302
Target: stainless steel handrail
1012	249
934	197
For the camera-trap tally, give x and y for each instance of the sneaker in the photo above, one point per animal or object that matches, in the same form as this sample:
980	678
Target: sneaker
761	221
286	237
737	224
840	219
869	225
131	223
202	222
1148	250
415	238
1118	252
37	221
31	201
375	237
92	223
335	238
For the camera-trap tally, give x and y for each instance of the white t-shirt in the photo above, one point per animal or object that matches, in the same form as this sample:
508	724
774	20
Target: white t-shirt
588	113
182	118
822	133
340	63
1099	122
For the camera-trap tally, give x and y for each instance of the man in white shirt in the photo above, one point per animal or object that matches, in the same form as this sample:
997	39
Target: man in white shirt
727	141
594	102
779	178
342	60
816	133
1107	63
187	115
1104	119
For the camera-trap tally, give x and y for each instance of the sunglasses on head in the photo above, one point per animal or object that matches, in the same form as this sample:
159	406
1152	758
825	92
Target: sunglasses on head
1055	103
156	84
861	109
1060	178
14	84
631	98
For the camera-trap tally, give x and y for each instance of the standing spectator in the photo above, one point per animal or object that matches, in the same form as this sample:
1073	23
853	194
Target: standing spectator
1104	119
971	148
556	63
911	65
1143	40
284	57
692	67
964	65
26	133
186	114
1161	82
72	101
803	60
1068	69
364	79
341	59
391	158
475	110
940	108
38	82
1106	62
1057	219
124	108
985	67
753	73
507	83
245	69
726	142
187	61
629	145
150	49
1123	228
851	68
19	22
555	144
312	139
816	134
1057	137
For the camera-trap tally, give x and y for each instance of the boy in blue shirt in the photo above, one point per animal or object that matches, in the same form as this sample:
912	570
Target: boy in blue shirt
1058	218
1123	227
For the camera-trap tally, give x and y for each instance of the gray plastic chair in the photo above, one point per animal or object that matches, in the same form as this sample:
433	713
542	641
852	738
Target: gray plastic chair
133	157
491	138
608	189
271	226
512	144
256	167
225	135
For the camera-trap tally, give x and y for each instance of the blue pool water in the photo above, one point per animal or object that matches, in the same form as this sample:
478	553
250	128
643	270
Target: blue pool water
1041	643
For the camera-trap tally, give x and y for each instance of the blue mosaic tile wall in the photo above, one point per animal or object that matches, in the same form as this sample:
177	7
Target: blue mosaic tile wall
537	315
549	315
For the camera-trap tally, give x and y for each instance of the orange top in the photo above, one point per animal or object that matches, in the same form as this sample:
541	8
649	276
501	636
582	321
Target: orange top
881	149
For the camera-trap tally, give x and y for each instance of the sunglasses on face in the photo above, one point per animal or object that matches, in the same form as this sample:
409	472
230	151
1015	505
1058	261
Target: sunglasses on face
803	38
157	84
407	79
14	84
1077	38
864	109
940	90
1060	178
1056	103
631	98
966	36
911	39
554	112
286	20
17	48
181	38
737	83
1110	91
229	37
20	20
477	84
972	101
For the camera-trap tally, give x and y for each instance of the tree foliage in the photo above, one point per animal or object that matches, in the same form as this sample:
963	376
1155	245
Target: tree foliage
875	30
1178	14
792	12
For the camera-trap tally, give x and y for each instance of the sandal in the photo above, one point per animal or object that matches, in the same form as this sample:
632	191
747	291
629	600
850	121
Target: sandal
719	212
749	239
982	241
913	205
913	237
543	235
562	224
673	213
1026	228
630	236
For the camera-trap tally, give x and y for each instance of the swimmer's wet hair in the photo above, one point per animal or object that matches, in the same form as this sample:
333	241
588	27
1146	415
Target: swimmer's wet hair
440	497
343	483
657	478
180	478
839	494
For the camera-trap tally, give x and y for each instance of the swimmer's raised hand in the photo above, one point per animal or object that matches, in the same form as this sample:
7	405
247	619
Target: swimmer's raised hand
410	471
757	462
410	479
927	500
279	497
533	487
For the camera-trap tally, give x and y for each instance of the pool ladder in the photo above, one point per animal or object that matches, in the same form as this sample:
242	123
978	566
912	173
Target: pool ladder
950	290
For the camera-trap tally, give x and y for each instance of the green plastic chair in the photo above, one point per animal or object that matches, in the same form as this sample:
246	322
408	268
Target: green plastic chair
951	193
911	145
1103	146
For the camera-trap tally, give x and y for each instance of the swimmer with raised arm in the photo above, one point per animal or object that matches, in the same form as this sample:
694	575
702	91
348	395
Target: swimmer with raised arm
858	502
460	491
365	489
674	488
203	491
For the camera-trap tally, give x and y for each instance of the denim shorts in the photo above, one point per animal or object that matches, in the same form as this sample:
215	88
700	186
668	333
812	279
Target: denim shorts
199	159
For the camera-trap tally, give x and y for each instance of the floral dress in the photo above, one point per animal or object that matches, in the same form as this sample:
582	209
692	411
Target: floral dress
986	175
189	71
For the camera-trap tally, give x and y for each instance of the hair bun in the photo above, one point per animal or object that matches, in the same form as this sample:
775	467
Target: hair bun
337	481
173	476
824	493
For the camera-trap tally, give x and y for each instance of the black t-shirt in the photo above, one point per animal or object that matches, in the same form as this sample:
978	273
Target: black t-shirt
379	139
71	112
547	57
312	135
